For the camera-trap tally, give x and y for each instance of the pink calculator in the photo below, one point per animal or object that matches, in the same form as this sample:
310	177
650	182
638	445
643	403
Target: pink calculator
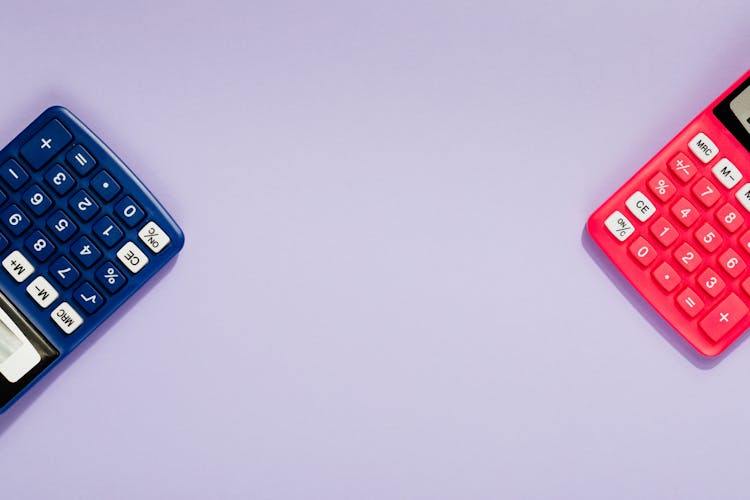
679	229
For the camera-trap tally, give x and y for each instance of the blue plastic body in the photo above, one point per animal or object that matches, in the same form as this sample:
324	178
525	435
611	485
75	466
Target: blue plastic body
90	202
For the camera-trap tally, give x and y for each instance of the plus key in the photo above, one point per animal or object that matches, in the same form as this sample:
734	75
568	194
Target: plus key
724	317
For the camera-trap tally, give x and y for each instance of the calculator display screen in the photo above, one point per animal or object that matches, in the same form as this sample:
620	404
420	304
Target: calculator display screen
740	106
734	113
9	343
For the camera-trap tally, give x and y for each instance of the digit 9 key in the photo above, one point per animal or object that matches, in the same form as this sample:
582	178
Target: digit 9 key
679	229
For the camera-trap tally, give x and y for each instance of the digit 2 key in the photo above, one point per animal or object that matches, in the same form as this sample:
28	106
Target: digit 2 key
79	235
679	229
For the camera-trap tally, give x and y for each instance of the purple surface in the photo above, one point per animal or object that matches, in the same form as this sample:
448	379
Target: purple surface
384	292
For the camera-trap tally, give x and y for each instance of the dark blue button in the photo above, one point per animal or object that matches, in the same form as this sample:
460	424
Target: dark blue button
37	200
59	179
15	220
85	251
88	298
13	174
107	231
105	186
39	246
64	272
61	226
110	277
83	205
129	211
45	144
3	242
2	197
80	160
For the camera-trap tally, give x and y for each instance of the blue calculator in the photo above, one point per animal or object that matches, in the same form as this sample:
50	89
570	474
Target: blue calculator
79	234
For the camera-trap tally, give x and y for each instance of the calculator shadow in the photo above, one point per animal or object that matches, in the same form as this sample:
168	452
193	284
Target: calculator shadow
19	407
648	312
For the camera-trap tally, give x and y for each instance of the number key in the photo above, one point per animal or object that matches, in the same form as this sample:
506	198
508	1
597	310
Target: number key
732	263
39	246
61	226
642	251
710	281
83	205
706	192
685	212
664	231
729	218
59	179
13	174
708	237
37	200
64	272
687	257
107	232
85	251
15	220
129	211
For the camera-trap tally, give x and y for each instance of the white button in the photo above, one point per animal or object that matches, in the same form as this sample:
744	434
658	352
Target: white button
743	195
641	206
18	266
66	318
132	257
727	173
42	292
703	147
619	225
153	237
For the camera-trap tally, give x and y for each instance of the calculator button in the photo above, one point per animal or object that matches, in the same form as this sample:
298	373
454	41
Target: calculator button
45	144
662	187
3	197
85	251
730	218
706	192
746	285
727	173
666	276
64	272
83	205
129	211
80	159
723	317
13	174
18	266
690	302
66	318
685	212
15	220
664	231
688	257
88	298
732	263
3	242
703	147
59	179
37	200
39	246
640	206
132	257
61	226
110	277
711	282
708	237
42	292
154	237
683	167
107	232
642	251
105	186
619	225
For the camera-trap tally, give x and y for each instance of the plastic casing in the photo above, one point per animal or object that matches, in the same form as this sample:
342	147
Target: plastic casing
131	186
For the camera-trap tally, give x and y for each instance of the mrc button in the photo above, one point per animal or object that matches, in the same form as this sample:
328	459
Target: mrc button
703	147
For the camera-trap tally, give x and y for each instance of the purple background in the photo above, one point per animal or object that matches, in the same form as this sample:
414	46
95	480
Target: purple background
385	291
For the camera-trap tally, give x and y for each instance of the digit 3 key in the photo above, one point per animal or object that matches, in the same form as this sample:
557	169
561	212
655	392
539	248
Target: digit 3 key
677	229
79	235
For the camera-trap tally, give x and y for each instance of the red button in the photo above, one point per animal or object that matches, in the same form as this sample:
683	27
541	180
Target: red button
666	276
745	241
683	167
662	187
708	237
664	231
732	263
688	257
730	218
711	282
746	286
690	302
685	212
707	193
642	251
723	317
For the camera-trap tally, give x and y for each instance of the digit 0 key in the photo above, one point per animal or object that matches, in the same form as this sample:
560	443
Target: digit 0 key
79	235
678	228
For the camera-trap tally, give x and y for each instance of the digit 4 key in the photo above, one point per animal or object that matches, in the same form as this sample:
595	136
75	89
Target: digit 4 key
79	235
678	229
